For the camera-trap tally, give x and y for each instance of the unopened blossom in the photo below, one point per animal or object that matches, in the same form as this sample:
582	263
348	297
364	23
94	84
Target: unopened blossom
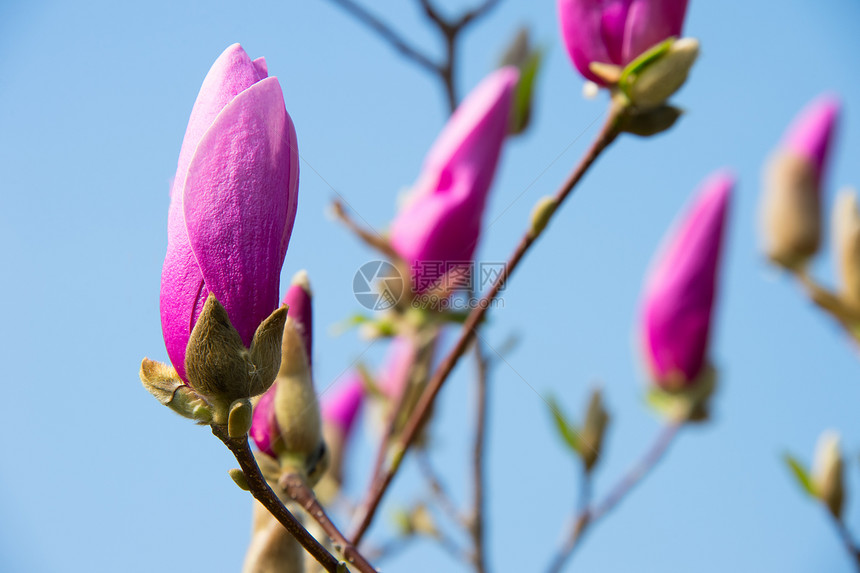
681	289
233	203
793	185
440	223
616	32
340	407
828	473
846	241
265	429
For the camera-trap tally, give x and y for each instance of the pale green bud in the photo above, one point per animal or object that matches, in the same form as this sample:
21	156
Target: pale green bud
541	214
296	408
650	81
593	430
827	474
846	240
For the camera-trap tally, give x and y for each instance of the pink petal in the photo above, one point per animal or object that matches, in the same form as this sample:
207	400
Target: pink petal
183	291
262	68
231	74
649	23
680	292
582	26
442	220
811	133
613	24
264	425
340	406
239	198
299	301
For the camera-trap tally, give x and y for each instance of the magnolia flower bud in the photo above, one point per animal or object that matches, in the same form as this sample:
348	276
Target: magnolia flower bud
616	33
827	473
846	240
791	208
440	222
286	422
593	429
340	407
233	200
681	289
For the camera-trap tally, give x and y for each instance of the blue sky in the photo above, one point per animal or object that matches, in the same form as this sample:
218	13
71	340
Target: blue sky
94	99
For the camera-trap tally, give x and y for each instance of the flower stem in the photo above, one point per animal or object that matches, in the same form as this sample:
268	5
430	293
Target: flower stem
589	514
367	510
264	494
298	490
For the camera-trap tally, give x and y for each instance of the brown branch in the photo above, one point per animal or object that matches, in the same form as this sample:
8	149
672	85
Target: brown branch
264	494
368	236
450	31
367	510
589	515
297	489
387	34
440	493
477	13
580	522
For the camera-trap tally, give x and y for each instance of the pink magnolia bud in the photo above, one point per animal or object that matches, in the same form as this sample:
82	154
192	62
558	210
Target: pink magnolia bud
441	221
811	133
791	207
340	406
233	203
680	292
264	427
395	373
615	32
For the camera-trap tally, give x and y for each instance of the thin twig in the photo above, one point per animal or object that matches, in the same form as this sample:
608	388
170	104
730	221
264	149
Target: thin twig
579	523
387	34
297	489
590	514
847	540
439	491
367	236
479	557
827	300
367	510
444	71
263	493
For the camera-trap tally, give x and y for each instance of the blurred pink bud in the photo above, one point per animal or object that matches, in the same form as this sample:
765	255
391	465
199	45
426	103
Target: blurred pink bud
264	427
441	220
340	406
233	203
811	133
394	376
791	206
616	32
680	292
